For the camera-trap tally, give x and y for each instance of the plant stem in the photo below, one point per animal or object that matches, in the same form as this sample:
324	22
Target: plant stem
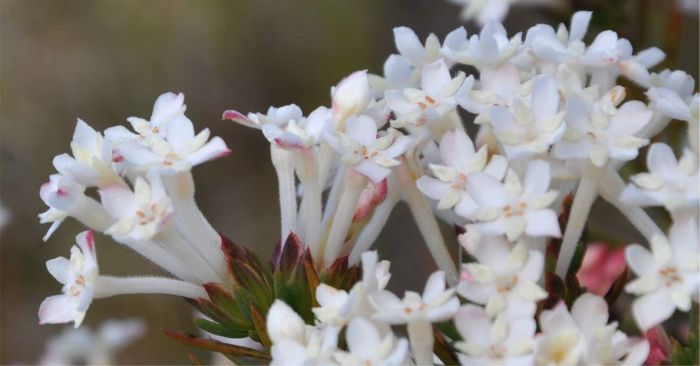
107	286
282	161
586	194
427	224
310	213
420	335
342	219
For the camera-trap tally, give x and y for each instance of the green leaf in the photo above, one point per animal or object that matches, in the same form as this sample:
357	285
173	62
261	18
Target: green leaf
260	327
215	346
218	329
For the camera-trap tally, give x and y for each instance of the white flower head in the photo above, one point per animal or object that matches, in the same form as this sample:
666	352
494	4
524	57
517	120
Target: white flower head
668	277
461	161
515	208
78	275
367	346
371	154
602	131
497	341
140	214
434	100
489	49
670	183
504	279
301	133
528	130
584	335
436	304
167	142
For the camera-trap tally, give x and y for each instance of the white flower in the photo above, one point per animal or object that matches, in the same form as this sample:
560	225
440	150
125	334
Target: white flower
493	342
167	142
488	50
461	161
370	154
78	276
549	46
351	96
295	343
302	133
398	74
514	209
65	198
487	10
140	214
367	346
584	336
601	131
278	116
669	182
435	305
504	279
532	128
91	163
337	307
434	100
412	49
668	276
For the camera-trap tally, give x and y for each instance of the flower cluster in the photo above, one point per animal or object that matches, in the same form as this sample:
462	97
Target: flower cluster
554	128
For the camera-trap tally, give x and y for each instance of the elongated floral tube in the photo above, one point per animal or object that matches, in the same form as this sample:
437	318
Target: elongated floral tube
90	213
191	223
107	286
334	195
172	240
310	213
610	189
584	197
342	219
282	161
325	158
161	257
420	335
371	231
427	223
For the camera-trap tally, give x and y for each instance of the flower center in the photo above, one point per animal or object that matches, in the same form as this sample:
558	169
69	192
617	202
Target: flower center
460	182
670	276
150	215
507	284
511	210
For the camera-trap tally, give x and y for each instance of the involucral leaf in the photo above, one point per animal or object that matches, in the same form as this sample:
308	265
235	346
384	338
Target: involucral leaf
215	346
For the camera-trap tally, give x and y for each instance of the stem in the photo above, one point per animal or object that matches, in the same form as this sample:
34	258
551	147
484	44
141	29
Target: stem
162	258
334	194
381	214
342	219
107	286
310	214
610	189
420	335
427	224
282	161
583	200
325	158
91	214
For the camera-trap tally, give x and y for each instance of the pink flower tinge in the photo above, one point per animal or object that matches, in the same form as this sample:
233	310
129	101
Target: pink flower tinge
660	346
600	268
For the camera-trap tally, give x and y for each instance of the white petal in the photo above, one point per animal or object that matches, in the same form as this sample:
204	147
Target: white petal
542	223
56	309
579	25
179	132
59	269
652	309
545	98
456	149
362	338
409	45
590	312
434	286
435	76
433	188
661	160
372	171
213	149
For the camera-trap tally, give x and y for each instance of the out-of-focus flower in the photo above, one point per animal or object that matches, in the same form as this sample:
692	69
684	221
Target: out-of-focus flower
601	266
668	276
584	335
659	344
78	276
486	10
670	183
367	346
83	346
499	341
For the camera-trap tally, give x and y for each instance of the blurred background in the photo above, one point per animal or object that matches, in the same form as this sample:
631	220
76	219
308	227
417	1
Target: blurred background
103	61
